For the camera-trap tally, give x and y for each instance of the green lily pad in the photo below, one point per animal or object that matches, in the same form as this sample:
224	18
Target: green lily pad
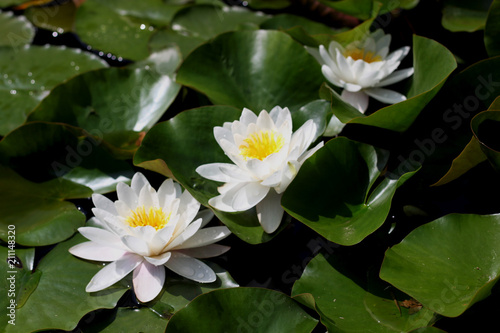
360	9
485	128
177	292
65	152
39	211
448	264
433	64
334	192
166	37
8	3
467	16
29	73
60	18
171	149
122	28
133	320
19	280
269	4
243	310
239	69
289	21
60	299
16	30
492	30
134	100
206	21
346	305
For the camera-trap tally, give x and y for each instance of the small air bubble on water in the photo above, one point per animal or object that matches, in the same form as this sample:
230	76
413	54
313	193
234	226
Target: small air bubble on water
13	92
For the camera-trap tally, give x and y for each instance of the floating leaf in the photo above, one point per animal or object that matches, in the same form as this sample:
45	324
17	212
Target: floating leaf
60	18
122	27
239	69
448	264
134	320
134	101
345	304
30	72
485	128
244	309
60	150
166	37
334	192
63	274
492	30
16	30
466	16
39	211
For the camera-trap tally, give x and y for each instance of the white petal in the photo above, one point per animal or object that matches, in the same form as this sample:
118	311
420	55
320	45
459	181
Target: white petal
398	55
189	207
344	67
114	272
97	252
270	212
327	59
289	172
185	234
205	236
396	77
352	87
357	99
264	121
148	197
162	238
190	268
333	47
222	172
310	152
127	195
246	196
206	215
221	133
167	192
136	245
208	251
331	76
138	182
100	236
314	51
159	259
385	95
148	281
248	117
101	202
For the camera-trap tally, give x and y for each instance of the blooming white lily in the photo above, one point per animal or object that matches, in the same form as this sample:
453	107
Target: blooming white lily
145	231
362	67
266	157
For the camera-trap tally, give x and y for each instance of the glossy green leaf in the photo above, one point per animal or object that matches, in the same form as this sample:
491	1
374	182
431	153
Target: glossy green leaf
360	9
492	30
206	22
448	264
180	152
469	19
485	128
346	305
243	310
64	151
178	292
269	4
38	210
16	30
63	274
16	268
30	72
134	101
288	21
433	64
334	192
127	320
166	37
60	18
121	27
239	69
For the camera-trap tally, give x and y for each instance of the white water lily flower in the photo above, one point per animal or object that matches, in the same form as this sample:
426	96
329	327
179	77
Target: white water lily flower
266	157
145	231
363	67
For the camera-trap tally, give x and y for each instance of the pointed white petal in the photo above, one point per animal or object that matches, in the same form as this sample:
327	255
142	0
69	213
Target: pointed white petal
222	172
114	272
327	59
101	202
127	195
352	87
330	76
357	99
247	196
167	192
385	95
206	216
248	117
396	77
136	245
204	237
148	197
208	251
138	182
148	281
270	212
97	252
314	51
185	235
159	259
264	121
100	236
334	126
190	268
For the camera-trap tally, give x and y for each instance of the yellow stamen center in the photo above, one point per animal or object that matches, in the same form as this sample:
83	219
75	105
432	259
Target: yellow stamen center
261	144
357	54
154	217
